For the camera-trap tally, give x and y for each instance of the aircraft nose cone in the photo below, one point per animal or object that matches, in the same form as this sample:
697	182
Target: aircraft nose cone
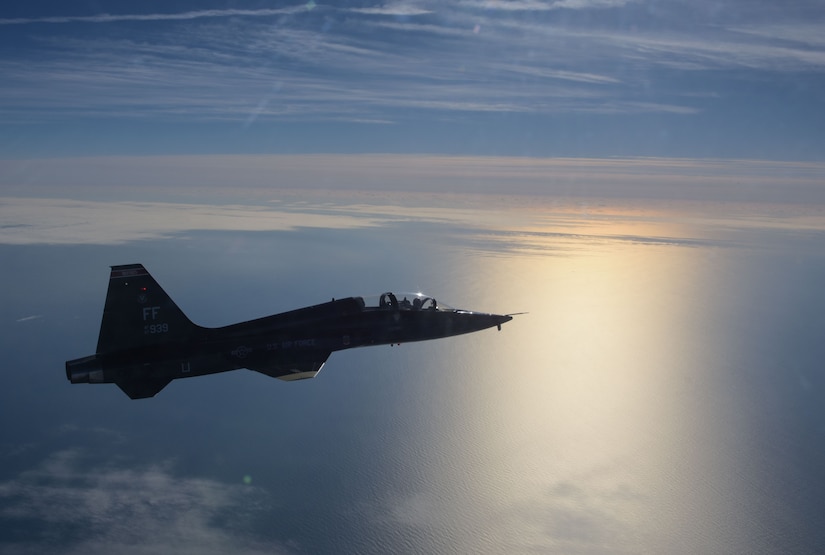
501	319
475	321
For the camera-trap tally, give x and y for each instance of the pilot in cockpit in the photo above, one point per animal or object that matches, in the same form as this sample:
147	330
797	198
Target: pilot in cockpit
388	299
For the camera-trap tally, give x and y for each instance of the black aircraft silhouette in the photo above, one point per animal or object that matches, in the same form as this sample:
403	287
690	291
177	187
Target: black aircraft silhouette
146	341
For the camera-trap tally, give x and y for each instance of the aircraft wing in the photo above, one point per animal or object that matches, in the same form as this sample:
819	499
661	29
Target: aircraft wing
297	368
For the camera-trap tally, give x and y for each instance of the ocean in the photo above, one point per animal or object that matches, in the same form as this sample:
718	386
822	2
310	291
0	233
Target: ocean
661	393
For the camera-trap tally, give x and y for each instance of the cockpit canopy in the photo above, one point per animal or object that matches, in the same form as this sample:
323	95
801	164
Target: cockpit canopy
405	301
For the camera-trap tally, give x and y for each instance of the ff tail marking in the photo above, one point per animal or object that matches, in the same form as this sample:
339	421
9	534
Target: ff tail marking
139	313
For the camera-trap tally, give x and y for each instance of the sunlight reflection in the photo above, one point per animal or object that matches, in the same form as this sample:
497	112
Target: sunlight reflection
568	416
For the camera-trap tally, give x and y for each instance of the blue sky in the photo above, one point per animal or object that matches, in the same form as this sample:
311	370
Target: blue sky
582	78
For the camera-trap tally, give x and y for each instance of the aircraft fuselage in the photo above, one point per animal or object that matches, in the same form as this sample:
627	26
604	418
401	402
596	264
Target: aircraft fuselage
146	341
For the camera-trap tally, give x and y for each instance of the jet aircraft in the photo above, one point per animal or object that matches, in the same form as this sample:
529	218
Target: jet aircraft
146	341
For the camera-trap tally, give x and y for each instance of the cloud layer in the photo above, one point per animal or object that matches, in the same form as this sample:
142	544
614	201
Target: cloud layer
386	63
284	193
232	177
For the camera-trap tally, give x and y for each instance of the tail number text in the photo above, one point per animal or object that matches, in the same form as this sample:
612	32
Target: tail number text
150	329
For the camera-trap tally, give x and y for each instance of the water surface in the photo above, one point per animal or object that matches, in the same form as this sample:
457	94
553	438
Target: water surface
663	393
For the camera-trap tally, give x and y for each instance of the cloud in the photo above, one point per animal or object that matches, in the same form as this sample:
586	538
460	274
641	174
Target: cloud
198	177
63	221
558	74
809	34
395	9
110	508
381	63
182	16
29	318
284	193
538	5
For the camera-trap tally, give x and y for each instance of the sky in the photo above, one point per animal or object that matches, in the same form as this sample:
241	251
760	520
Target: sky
528	78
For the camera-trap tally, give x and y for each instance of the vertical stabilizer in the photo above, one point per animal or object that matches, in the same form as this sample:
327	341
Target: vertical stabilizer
139	313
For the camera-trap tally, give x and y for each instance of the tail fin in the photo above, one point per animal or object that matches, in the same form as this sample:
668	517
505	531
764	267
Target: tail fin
139	313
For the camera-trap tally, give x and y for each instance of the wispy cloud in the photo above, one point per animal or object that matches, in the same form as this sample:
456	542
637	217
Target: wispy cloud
394	61
181	16
810	34
397	9
539	5
133	177
60	221
384	63
122	509
29	318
